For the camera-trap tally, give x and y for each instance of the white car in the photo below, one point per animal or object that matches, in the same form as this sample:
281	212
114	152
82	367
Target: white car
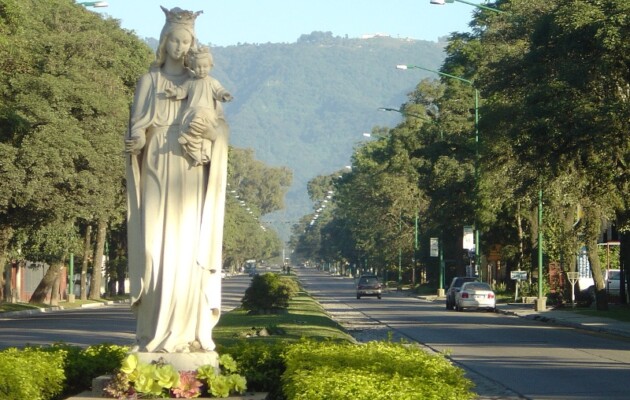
612	278
475	295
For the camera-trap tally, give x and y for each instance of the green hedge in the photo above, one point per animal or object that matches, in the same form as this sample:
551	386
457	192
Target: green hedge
262	364
31	374
54	372
83	365
373	371
306	370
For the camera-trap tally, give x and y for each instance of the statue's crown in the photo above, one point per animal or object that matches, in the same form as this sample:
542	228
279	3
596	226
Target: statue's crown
181	17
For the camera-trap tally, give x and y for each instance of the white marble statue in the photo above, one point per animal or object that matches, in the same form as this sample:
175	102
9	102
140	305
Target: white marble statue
204	119
176	205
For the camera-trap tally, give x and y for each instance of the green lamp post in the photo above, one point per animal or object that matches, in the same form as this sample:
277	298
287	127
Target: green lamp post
541	301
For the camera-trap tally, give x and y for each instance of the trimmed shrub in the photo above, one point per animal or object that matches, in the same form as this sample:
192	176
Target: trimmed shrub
83	365
269	293
30	374
374	371
54	372
262	364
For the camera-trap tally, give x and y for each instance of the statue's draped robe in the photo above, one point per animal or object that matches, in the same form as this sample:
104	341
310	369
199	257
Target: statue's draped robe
175	225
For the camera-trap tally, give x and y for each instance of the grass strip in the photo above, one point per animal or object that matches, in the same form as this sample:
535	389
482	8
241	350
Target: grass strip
305	318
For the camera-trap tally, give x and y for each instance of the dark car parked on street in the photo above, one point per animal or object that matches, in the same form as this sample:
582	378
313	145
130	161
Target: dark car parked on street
456	285
369	285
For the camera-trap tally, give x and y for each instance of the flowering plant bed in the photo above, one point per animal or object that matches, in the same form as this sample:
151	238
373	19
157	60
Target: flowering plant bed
138	380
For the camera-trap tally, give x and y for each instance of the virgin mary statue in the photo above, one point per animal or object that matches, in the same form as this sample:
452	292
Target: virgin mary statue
176	208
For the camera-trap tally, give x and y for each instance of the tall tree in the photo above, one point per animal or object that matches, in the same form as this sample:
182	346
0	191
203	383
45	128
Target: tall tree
67	76
556	77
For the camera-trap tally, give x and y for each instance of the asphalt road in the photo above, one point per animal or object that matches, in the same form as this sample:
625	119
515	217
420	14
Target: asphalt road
113	324
508	357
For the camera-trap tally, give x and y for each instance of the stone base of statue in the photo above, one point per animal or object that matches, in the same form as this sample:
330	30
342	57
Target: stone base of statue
182	361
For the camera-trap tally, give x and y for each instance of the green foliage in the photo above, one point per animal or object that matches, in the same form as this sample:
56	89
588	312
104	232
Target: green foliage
553	98
269	292
254	189
31	373
262	365
304	318
530	289
376	370
609	257
67	77
557	98
56	371
327	363
83	365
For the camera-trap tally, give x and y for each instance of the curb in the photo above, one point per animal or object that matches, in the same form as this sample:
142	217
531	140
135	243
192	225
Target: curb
31	312
59	308
569	324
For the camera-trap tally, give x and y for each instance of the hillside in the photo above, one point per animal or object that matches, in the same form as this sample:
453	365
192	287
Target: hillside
305	105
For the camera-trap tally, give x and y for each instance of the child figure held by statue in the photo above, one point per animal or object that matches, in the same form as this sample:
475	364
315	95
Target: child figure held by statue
204	118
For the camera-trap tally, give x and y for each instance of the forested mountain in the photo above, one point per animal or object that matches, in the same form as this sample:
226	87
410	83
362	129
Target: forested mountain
305	105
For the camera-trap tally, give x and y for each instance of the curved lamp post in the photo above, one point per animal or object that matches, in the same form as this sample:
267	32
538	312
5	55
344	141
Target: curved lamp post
469	82
442	2
373	135
403	112
433	115
93	4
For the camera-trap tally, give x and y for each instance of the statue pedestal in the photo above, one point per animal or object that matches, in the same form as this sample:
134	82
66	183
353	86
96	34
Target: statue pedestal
182	361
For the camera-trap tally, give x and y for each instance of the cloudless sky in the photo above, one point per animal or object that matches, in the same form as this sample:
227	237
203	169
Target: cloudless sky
230	22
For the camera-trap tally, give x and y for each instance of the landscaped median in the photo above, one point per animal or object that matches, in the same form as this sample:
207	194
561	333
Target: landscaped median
292	353
302	354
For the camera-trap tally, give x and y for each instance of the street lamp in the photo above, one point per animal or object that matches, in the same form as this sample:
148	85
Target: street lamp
373	135
93	4
469	82
403	112
442	2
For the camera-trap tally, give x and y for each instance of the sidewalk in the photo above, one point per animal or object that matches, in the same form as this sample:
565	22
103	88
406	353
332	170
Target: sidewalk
568	318
559	317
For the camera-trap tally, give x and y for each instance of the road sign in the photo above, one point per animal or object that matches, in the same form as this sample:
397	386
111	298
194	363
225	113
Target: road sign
434	246
469	239
573	277
518	275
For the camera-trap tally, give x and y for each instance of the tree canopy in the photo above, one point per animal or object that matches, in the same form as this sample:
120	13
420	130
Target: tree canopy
67	76
554	86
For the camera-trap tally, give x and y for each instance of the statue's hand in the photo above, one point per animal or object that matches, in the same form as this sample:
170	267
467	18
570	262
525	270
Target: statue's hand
198	125
170	92
226	98
134	145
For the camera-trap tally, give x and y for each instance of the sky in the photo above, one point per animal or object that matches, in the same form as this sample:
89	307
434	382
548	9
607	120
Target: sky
230	22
